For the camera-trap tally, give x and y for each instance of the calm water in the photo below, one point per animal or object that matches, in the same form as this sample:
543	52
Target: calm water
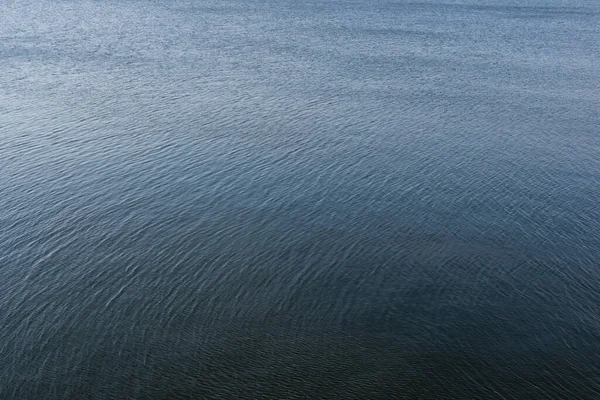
315	199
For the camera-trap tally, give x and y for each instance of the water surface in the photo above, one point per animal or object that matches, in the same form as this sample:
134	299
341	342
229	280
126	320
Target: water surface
315	199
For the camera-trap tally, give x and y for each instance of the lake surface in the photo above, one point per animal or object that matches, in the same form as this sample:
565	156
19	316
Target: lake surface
299	199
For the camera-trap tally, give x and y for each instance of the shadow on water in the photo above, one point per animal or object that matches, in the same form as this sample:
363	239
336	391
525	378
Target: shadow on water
359	318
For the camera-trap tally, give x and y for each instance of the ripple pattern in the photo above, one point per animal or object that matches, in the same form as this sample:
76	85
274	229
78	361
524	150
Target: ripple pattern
289	200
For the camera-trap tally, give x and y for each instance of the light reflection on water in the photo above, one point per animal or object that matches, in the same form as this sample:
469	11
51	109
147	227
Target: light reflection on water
323	200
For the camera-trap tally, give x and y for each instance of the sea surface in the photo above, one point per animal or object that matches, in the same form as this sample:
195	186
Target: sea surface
277	199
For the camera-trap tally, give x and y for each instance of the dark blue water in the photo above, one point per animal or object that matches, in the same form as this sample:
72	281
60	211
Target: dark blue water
299	199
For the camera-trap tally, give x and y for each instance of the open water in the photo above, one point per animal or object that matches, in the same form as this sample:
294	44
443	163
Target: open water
299	199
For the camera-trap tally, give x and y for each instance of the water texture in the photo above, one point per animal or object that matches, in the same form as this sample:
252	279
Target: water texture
299	199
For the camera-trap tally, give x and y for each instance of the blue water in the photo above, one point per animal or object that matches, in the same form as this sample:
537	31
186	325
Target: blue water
299	199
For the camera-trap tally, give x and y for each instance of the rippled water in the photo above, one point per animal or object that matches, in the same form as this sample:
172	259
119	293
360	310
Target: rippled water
314	199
